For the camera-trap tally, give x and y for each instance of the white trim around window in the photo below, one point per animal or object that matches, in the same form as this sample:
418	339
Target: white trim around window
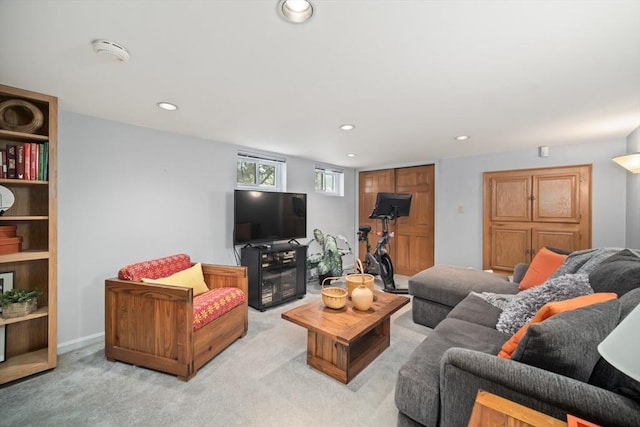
260	171
329	180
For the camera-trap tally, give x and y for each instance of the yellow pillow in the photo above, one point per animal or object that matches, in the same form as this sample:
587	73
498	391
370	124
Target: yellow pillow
190	278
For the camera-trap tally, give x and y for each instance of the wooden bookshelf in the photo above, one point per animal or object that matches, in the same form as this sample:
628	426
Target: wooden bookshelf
31	341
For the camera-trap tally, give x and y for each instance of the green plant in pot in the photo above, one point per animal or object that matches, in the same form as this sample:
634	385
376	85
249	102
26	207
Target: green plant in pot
19	302
331	262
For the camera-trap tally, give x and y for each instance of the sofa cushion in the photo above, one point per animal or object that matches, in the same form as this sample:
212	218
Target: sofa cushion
475	309
525	305
155	268
551	309
558	250
543	265
191	277
587	260
606	376
418	384
448	285
214	303
567	343
619	273
428	313
519	271
497	300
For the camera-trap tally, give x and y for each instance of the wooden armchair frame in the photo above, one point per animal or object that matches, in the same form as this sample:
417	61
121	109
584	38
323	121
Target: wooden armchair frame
151	325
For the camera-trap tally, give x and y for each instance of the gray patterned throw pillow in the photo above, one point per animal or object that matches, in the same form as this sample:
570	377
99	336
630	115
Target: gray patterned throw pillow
527	303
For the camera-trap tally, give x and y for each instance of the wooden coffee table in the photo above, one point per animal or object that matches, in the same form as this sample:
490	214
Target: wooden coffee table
342	342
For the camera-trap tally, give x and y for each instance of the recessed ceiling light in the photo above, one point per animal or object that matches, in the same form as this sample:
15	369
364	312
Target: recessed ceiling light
351	155
167	106
296	11
347	127
462	137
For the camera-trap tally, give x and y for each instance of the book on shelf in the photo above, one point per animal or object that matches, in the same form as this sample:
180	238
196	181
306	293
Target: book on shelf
20	161
41	163
34	161
45	162
11	162
3	171
27	161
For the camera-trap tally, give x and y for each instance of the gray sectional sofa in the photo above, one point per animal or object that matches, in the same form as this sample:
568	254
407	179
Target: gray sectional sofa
437	290
562	372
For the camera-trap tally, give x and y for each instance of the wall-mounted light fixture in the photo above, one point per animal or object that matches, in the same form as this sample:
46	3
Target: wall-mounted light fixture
630	162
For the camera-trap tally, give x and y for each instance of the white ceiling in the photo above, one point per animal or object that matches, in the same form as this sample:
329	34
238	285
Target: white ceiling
411	75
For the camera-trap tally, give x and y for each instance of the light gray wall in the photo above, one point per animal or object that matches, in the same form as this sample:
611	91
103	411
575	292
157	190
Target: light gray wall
128	194
459	184
633	194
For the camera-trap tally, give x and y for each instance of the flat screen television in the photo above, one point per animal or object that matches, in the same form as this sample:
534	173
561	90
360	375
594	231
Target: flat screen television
267	216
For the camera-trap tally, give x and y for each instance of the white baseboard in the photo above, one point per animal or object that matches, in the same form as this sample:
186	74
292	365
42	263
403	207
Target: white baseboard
68	346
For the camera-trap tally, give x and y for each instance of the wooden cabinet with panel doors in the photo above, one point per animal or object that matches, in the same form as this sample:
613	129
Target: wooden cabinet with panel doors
525	210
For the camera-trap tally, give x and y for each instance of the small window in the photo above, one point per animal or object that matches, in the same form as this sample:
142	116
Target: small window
257	171
329	181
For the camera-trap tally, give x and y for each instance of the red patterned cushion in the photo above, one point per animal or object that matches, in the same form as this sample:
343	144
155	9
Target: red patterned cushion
155	268
213	304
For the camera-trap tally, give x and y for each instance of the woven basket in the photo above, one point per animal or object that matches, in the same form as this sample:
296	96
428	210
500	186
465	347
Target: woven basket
19	309
20	116
333	297
356	279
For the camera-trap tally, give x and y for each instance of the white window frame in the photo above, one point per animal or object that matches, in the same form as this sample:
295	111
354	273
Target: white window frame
278	163
338	179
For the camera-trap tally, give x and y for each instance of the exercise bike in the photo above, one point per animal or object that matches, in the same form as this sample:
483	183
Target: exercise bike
389	206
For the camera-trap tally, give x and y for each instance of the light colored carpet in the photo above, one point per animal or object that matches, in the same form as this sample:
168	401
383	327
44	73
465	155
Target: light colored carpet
261	380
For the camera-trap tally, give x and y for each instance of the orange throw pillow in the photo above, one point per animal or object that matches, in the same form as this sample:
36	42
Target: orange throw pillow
544	264
550	309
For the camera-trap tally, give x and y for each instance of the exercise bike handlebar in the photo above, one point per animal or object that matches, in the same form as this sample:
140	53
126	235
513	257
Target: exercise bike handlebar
383	217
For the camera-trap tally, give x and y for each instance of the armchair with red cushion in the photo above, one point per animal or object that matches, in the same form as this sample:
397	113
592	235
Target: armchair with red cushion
173	316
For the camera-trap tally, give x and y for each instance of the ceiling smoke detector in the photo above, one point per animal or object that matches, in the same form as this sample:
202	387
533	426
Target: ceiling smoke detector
111	49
